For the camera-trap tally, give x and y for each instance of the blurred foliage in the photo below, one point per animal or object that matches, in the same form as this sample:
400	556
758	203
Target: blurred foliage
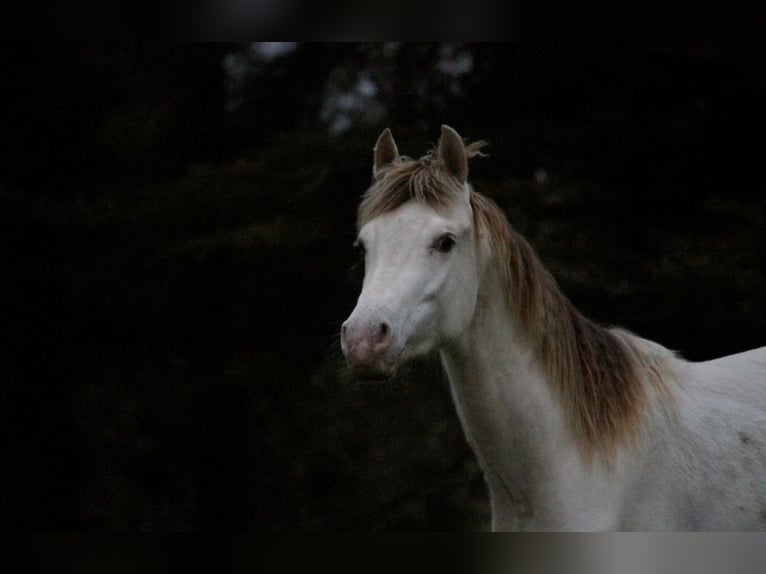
177	223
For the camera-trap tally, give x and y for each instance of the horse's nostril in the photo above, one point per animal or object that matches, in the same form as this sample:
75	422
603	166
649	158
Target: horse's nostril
384	330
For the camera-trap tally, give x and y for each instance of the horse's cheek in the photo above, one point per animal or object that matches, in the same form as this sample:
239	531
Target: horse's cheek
459	305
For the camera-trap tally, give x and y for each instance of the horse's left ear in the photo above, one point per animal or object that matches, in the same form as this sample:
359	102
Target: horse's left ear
451	154
385	150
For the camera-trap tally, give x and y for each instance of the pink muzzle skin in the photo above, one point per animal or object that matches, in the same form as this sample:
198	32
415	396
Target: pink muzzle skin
366	346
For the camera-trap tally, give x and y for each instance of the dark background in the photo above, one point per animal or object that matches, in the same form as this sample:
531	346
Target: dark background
177	222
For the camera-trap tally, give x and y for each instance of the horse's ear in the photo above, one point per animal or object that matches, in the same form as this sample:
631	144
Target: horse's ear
385	150
451	154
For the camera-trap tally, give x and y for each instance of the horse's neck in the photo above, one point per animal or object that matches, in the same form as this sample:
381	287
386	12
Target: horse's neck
496	381
509	412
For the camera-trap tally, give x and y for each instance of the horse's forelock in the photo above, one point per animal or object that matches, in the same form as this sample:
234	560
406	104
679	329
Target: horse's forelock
423	180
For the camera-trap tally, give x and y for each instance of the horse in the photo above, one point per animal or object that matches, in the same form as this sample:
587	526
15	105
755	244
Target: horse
575	426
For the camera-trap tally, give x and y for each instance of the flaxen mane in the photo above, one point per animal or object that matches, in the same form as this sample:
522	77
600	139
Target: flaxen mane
604	376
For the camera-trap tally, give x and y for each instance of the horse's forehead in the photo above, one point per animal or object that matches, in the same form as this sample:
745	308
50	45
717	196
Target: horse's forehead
413	219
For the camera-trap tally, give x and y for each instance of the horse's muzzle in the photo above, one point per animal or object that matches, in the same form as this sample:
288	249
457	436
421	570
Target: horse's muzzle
367	347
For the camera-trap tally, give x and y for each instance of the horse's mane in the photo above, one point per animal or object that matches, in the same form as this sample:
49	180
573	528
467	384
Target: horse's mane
603	376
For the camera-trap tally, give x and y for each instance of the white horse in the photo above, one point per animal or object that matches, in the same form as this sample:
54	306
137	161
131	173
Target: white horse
575	426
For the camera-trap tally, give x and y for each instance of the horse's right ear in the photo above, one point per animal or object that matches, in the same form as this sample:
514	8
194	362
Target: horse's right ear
385	150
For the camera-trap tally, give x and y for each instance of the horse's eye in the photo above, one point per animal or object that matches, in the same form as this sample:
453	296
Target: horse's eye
359	248
445	244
